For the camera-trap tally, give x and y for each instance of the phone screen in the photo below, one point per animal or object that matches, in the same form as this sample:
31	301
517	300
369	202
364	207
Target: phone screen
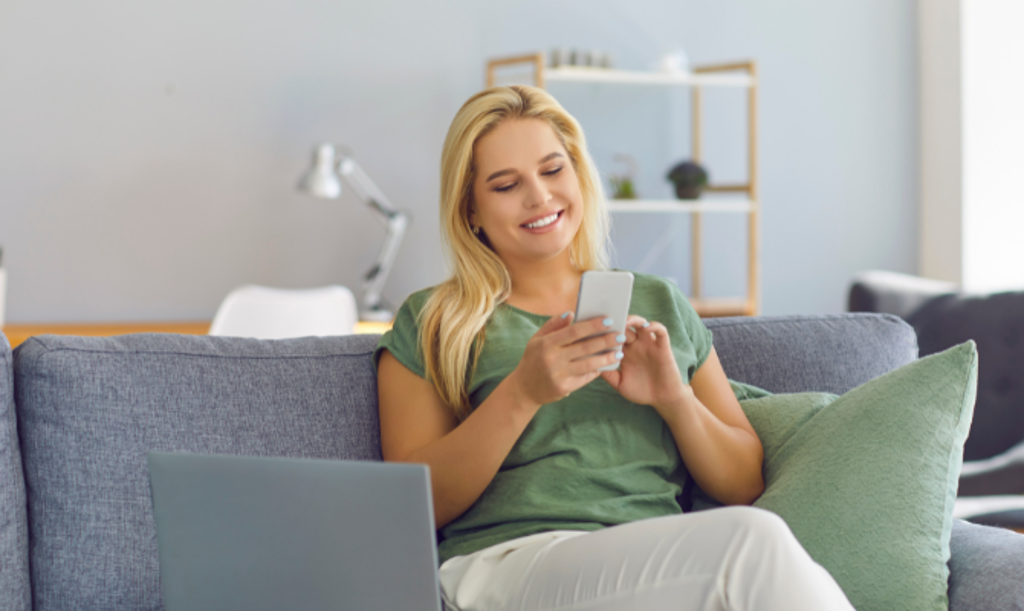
605	294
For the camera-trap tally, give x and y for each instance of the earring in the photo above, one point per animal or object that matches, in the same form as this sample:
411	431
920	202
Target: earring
476	229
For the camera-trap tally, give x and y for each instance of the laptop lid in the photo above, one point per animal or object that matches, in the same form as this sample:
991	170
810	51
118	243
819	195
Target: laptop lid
258	534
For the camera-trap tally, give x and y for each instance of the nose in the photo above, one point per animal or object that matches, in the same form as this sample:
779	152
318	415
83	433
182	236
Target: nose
536	193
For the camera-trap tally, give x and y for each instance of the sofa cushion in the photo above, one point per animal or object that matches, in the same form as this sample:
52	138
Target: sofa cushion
867	481
829	353
15	594
90	409
986	569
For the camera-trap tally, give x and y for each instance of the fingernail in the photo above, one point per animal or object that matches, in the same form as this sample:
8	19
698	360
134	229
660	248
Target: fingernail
607	322
619	355
647	324
564	315
620	338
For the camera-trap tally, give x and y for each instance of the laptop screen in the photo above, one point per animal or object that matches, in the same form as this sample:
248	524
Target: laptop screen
279	533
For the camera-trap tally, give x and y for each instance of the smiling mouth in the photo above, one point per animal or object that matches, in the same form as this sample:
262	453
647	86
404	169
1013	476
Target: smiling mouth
543	222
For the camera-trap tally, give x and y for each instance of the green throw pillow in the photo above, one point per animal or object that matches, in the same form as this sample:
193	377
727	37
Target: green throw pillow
866	481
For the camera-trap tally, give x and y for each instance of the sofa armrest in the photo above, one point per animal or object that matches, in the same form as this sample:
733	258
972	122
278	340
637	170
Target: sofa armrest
894	293
1001	474
985	568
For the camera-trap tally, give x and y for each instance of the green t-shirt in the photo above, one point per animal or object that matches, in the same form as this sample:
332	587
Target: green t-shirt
585	462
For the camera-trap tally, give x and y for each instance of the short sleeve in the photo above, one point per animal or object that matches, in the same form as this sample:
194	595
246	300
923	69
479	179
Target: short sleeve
402	340
700	336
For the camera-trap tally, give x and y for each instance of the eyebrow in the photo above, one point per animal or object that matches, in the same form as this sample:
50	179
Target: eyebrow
547	157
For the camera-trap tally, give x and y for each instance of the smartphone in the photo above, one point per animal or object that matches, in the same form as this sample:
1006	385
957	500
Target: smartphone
605	295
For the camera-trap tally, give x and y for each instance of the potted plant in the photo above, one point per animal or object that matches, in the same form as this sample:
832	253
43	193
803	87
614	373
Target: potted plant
623	186
689	178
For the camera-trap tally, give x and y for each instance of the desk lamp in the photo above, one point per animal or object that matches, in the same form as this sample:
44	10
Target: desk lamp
324	180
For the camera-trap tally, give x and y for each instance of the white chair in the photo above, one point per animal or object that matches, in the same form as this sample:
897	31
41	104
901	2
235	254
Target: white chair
268	313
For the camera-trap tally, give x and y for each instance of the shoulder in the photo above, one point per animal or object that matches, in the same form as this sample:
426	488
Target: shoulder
658	298
650	290
417	300
402	340
414	304
651	283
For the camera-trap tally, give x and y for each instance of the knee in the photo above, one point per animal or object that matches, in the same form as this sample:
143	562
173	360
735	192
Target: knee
757	522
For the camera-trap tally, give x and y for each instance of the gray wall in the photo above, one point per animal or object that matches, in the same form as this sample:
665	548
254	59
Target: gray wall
150	151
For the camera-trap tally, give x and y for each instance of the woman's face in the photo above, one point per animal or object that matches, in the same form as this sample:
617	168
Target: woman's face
526	194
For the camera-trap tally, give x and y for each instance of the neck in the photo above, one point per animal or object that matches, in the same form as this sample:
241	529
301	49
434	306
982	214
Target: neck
546	287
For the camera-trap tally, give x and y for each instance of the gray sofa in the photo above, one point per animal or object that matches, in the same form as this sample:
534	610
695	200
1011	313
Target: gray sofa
78	415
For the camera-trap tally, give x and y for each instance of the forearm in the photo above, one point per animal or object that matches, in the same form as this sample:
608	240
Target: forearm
463	462
724	460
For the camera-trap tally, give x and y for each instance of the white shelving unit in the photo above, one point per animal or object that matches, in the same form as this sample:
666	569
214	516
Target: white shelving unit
742	198
739	204
625	77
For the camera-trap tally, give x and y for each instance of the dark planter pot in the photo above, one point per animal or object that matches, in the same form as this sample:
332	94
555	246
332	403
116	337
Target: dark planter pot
688	191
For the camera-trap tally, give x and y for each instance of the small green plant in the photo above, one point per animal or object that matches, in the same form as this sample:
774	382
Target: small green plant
622	187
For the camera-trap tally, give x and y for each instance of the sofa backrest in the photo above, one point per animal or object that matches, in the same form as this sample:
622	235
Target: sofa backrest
91	408
829	353
15	594
996	323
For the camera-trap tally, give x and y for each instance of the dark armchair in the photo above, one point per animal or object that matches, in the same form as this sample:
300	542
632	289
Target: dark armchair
942	316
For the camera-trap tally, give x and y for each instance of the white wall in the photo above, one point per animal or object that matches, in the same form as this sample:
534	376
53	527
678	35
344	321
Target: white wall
993	145
941	239
151	150
972	142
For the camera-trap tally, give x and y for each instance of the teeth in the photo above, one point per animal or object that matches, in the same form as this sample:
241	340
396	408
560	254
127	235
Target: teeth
547	220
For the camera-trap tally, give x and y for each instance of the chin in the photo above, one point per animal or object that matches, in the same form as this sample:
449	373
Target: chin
552	252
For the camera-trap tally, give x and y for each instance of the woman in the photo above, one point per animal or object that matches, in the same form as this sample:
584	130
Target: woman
554	484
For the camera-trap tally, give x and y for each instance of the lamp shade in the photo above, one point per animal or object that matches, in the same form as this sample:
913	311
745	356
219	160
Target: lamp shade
322	180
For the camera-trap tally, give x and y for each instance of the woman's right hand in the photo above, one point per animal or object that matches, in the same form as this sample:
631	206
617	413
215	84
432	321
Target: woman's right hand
557	359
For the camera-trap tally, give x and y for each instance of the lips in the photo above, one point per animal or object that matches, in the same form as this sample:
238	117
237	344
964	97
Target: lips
543	220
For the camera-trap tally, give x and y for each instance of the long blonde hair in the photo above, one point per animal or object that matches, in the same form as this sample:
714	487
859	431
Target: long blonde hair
457	311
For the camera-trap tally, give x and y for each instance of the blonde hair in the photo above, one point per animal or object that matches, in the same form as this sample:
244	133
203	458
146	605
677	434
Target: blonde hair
456	313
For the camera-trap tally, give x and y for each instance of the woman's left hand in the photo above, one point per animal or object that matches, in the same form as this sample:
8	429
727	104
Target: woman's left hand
648	373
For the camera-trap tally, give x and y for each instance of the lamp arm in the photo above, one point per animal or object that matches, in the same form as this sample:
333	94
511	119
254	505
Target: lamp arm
377	275
365	188
396	221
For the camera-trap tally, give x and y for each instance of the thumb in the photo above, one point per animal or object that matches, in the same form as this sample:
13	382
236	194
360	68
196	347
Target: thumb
555	323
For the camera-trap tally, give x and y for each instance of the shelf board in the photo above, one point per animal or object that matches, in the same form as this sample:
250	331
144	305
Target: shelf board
578	74
712	204
716	308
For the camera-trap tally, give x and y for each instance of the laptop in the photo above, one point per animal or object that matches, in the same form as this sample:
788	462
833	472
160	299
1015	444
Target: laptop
281	534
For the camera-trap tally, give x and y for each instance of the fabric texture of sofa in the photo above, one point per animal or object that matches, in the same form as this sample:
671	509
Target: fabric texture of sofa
78	415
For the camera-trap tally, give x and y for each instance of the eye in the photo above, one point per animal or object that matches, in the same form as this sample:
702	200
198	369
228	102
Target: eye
508	188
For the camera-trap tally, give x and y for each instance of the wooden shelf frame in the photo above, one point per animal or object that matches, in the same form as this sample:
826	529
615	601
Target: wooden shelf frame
736	74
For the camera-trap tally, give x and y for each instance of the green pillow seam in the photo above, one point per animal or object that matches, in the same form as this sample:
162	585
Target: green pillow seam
947	521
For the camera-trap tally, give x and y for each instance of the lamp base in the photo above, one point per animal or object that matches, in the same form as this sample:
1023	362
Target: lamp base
377	315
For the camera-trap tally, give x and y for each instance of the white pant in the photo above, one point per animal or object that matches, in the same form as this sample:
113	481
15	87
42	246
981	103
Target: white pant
728	558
